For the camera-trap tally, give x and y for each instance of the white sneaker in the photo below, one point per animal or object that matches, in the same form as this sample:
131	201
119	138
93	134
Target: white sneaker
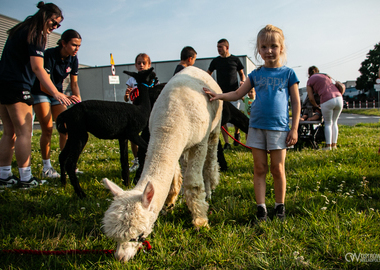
50	173
135	165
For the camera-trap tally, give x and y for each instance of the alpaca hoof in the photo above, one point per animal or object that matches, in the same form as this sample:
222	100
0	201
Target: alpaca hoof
81	194
201	222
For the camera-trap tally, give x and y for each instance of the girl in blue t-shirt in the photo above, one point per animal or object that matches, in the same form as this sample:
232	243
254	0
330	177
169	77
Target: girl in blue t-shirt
21	63
269	130
59	62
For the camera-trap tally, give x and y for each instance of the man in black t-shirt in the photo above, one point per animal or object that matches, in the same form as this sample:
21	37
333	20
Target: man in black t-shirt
227	67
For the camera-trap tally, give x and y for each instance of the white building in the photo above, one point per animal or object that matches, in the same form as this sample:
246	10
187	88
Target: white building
94	81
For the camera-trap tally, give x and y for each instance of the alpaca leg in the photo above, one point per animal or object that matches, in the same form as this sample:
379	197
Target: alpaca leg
211	168
123	146
221	159
183	161
194	186
136	139
75	150
141	157
63	156
175	188
145	135
143	146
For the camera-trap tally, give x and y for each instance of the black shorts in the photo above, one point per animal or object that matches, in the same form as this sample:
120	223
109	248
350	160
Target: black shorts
11	94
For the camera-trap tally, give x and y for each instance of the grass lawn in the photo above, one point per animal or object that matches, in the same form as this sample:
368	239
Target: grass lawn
375	112
332	206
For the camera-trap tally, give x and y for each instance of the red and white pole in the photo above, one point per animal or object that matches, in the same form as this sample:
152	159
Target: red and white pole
113	70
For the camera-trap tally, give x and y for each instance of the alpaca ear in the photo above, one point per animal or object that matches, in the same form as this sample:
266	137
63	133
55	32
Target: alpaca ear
130	73
115	189
147	195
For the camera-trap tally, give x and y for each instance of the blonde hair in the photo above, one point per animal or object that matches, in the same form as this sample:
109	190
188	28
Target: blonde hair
270	33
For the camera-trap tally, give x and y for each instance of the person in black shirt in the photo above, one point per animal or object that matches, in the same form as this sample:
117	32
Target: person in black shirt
59	62
188	56
227	67
21	62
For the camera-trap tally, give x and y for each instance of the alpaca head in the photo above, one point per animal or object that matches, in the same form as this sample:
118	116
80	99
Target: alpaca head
129	219
146	77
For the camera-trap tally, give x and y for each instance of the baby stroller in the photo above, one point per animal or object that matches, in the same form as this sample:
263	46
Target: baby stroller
311	130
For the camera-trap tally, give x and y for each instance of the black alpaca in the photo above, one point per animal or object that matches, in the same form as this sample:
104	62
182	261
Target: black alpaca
234	116
105	120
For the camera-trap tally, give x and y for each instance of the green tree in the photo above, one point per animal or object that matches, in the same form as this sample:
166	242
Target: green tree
369	70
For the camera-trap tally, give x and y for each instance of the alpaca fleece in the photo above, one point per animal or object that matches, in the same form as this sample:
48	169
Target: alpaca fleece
183	121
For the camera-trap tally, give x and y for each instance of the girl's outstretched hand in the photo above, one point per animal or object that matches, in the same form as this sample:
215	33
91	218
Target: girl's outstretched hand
213	96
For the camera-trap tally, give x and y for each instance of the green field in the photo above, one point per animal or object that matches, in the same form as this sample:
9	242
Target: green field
332	204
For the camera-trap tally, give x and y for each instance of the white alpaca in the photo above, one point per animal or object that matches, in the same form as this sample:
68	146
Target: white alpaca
183	120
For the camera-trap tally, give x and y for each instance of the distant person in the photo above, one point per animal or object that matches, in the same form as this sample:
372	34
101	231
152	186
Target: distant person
378	81
142	62
330	93
188	56
315	111
227	67
22	61
269	128
59	62
251	95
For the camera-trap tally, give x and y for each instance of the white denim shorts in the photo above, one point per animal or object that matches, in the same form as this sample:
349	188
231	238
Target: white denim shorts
266	139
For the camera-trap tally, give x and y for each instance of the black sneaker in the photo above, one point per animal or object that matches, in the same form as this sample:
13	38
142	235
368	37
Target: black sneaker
9	182
33	182
279	211
261	213
227	146
237	137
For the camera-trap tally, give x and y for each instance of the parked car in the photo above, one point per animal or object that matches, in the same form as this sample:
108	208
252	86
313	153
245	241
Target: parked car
351	93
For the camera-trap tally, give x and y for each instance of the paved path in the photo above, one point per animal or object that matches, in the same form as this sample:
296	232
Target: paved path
353	119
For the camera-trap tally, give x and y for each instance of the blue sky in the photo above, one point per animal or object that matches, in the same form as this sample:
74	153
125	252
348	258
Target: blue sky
334	35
